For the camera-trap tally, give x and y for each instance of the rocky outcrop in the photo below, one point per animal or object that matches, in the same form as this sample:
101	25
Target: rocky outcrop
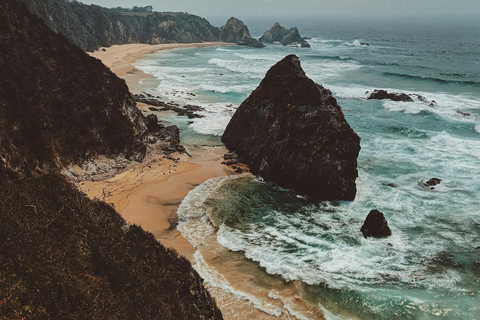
394	96
399	96
57	104
375	225
291	131
287	37
237	32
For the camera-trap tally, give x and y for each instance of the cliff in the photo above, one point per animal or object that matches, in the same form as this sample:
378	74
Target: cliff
286	37
62	255
91	27
57	104
237	32
291	131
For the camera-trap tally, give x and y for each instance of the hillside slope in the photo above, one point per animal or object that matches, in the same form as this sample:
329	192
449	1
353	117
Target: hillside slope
62	255
57	104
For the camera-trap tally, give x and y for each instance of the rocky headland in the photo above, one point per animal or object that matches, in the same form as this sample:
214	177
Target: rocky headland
291	131
287	37
91	27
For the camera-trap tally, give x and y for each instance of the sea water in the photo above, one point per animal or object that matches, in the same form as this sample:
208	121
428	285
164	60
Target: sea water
430	267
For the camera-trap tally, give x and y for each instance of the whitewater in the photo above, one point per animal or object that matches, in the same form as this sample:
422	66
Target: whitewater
430	267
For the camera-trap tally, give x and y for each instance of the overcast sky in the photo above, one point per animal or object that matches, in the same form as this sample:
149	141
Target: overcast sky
297	8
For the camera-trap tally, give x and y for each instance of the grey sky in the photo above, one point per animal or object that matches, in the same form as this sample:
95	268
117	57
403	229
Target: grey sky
296	8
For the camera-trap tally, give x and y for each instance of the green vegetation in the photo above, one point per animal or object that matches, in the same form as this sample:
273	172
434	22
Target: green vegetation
62	255
57	104
147	9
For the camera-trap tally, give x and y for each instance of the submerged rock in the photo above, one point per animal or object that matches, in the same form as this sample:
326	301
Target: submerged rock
287	37
237	32
375	225
433	182
292	131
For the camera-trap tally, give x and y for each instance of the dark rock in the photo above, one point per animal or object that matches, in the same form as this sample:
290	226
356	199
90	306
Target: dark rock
292	131
383	94
152	123
476	265
278	33
444	259
230	162
103	49
390	184
465	114
432	182
187	110
364	44
237	32
375	225
238	170
229	156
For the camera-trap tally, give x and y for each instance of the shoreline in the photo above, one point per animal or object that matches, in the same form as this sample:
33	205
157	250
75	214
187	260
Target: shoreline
120	58
150	193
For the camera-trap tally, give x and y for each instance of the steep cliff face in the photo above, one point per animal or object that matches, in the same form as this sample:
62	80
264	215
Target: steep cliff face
291	131
286	37
57	104
62	255
237	32
91	27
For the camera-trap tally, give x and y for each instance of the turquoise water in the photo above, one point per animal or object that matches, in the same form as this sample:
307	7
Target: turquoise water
429	268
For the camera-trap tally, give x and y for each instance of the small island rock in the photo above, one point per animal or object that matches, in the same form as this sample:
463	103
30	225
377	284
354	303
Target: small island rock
375	225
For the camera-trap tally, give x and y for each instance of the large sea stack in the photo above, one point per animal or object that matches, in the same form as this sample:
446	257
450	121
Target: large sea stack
291	131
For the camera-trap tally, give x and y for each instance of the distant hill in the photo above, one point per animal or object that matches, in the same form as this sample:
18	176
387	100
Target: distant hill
62	255
91	27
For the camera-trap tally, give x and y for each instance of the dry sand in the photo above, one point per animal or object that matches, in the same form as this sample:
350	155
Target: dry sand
149	195
119	58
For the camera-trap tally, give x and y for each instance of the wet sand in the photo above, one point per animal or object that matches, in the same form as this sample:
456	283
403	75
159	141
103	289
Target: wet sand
149	195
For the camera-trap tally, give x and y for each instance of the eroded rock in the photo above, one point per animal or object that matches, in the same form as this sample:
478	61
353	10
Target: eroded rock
375	225
292	131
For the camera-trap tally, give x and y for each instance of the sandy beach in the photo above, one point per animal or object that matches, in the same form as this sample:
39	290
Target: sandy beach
149	195
119	58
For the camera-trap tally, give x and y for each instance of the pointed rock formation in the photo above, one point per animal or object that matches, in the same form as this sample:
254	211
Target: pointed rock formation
375	225
237	32
292	131
287	37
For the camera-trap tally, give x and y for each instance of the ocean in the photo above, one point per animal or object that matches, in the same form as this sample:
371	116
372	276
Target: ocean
430	267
